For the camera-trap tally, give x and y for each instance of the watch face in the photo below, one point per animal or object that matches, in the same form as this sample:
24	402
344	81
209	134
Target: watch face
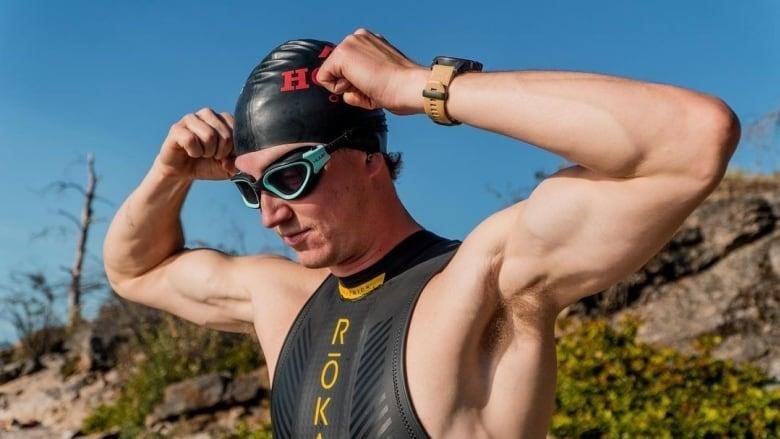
460	65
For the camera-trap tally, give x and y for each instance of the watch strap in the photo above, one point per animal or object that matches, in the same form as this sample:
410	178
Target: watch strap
436	92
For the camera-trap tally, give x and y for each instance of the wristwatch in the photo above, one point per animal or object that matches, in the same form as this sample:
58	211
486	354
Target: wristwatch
443	69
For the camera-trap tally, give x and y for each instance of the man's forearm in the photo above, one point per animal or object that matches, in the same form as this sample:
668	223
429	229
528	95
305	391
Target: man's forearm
146	230
614	126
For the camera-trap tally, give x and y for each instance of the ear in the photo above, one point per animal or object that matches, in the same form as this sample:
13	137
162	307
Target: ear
375	162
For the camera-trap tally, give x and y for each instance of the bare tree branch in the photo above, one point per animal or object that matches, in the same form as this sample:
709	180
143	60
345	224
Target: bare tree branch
30	310
69	216
105	201
62	186
47	231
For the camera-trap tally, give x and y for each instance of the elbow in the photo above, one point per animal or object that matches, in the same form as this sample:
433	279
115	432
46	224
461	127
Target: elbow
113	276
117	280
116	283
715	131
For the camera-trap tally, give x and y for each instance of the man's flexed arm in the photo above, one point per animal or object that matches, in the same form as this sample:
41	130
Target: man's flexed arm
144	252
647	154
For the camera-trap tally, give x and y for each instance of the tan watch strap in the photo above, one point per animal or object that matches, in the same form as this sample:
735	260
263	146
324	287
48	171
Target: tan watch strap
436	93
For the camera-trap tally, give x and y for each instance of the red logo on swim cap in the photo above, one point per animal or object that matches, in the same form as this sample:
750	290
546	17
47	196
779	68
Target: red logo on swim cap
326	51
295	79
298	79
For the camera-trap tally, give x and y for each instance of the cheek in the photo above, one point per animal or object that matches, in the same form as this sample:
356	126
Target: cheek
333	214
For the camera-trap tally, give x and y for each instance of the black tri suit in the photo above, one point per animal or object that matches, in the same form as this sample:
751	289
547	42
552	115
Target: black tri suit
341	370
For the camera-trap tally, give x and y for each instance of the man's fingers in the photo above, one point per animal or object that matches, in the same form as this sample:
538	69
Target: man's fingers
217	121
227	148
367	33
223	123
213	133
341	86
326	77
207	136
224	130
188	141
228	118
364	31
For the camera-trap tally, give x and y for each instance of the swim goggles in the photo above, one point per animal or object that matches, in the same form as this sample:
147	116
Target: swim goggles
292	176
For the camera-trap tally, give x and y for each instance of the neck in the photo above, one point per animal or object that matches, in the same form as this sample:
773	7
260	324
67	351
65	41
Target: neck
402	257
385	223
379	245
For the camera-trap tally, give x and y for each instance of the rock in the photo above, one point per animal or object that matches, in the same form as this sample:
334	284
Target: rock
190	396
17	432
251	386
720	275
58	405
10	371
774	257
18	369
93	348
28	423
210	393
111	376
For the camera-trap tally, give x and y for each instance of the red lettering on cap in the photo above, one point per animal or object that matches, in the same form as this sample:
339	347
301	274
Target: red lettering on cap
295	80
326	51
314	76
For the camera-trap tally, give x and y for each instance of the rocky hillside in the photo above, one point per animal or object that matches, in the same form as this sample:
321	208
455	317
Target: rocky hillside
717	280
716	283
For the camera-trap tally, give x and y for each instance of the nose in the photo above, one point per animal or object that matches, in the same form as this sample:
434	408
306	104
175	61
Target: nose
274	210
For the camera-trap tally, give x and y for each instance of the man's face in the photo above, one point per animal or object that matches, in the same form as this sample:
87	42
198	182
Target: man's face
324	226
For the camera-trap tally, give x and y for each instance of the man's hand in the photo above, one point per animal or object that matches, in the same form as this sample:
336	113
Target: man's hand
371	73
199	146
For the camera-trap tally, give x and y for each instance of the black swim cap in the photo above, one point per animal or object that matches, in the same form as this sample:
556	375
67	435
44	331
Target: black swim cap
282	102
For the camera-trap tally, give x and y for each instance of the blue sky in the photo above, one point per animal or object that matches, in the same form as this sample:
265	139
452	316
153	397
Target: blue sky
110	77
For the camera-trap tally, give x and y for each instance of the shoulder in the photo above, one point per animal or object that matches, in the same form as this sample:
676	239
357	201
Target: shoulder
482	255
269	275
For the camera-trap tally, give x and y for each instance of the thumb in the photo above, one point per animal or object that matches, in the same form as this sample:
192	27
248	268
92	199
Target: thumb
328	79
358	99
229	165
341	86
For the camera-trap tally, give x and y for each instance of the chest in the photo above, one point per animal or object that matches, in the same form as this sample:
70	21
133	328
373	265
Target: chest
341	372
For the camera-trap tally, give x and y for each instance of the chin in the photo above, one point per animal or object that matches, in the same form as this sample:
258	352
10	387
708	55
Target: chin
314	259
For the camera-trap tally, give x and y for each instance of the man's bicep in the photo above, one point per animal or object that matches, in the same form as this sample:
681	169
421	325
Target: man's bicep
198	285
583	232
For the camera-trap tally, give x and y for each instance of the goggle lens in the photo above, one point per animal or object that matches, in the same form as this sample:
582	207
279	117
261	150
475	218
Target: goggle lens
248	193
287	180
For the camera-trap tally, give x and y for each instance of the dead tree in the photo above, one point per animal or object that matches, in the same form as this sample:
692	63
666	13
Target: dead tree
76	287
75	291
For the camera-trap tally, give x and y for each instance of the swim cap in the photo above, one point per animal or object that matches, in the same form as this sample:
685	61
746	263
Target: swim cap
282	102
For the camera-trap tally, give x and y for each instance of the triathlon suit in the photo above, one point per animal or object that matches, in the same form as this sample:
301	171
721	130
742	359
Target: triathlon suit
341	369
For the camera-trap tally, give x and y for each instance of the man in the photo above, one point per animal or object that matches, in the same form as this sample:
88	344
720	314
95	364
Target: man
410	334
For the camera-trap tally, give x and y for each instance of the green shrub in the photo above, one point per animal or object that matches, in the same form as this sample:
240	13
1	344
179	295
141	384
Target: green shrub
172	350
611	386
243	431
